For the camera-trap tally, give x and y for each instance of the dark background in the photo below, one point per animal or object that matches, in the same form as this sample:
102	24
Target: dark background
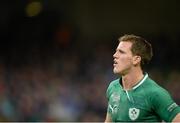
56	55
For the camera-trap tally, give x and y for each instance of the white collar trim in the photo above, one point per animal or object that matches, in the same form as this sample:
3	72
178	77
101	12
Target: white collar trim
145	77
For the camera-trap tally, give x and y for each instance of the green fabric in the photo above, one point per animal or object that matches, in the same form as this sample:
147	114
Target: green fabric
147	102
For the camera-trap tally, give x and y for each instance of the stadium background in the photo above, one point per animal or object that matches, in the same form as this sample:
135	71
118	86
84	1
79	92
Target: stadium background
56	55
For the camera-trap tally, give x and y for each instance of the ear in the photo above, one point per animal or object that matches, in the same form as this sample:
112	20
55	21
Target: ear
136	60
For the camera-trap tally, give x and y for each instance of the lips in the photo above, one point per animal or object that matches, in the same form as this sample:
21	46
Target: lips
115	62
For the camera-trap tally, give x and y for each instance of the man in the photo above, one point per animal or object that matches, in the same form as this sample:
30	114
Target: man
135	96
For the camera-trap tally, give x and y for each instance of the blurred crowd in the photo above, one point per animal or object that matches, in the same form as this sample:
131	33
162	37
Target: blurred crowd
65	87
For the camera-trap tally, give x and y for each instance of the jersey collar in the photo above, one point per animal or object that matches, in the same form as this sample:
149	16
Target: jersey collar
140	83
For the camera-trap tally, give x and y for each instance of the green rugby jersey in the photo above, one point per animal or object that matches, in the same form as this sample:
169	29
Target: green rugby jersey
147	102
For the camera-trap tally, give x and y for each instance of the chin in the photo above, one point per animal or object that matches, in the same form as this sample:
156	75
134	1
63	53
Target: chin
115	71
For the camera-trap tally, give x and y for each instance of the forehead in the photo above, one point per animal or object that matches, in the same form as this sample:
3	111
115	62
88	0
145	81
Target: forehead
125	45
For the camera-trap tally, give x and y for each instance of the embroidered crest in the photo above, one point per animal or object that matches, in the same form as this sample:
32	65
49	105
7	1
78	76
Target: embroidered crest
133	113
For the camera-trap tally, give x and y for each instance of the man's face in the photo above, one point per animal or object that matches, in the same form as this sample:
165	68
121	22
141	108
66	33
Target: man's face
123	58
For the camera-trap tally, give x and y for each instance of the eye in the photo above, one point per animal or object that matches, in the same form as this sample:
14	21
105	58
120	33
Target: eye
121	51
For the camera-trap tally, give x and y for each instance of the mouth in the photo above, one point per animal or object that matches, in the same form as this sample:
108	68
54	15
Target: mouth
115	62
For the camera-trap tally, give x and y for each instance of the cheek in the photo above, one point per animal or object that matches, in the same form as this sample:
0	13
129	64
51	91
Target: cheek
125	61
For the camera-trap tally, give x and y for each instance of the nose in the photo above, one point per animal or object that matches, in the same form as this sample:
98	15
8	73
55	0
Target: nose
114	55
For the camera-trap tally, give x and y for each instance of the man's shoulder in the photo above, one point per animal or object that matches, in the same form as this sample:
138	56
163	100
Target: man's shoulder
153	86
114	83
150	83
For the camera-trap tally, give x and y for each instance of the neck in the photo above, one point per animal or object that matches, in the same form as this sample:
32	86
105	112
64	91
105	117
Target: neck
131	79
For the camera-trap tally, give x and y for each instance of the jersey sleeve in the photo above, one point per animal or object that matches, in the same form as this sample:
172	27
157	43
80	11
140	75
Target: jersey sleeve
164	105
110	89
108	93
